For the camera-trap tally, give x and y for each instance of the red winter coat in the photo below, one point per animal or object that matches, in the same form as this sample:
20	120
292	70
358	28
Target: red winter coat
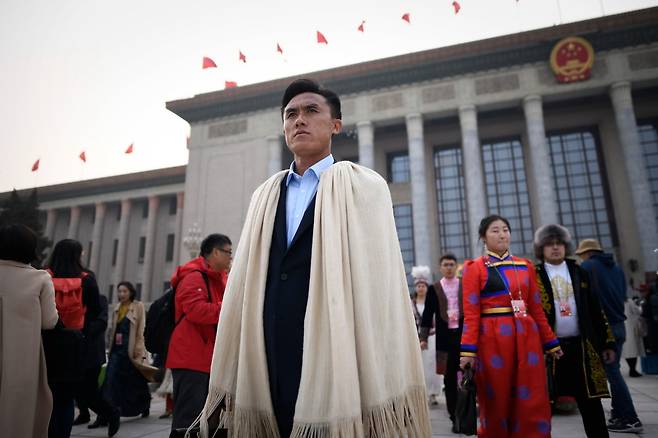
193	340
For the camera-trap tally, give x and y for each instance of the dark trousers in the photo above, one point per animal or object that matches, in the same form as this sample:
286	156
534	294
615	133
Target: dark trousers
61	419
452	367
190	392
89	395
570	380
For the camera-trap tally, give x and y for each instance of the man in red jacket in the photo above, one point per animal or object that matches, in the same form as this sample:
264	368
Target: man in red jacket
199	286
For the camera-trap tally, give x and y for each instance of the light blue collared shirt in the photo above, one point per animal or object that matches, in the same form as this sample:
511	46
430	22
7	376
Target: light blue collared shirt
301	190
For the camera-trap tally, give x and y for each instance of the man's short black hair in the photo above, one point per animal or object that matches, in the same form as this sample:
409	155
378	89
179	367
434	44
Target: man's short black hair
213	241
448	256
18	243
310	86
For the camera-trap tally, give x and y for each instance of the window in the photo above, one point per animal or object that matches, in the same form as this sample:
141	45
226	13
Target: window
119	213
142	249
578	183
138	288
398	167
110	293
507	190
649	141
173	206
115	250
451	202
145	209
170	248
405	229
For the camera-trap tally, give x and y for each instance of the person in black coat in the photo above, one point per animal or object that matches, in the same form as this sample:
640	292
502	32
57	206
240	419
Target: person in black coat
576	317
443	307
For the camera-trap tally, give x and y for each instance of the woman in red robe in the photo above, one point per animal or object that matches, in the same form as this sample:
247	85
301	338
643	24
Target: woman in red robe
505	335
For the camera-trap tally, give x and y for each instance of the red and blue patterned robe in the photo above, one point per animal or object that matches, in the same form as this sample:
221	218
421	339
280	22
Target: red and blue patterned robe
510	372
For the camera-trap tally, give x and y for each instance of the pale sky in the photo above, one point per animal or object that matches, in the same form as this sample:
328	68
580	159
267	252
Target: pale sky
94	75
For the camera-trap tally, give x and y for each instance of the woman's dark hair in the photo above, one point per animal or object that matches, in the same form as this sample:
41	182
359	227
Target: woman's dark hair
128	285
18	243
213	241
310	86
487	221
66	259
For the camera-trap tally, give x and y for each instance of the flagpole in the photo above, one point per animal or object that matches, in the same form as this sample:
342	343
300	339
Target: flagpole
559	11
602	8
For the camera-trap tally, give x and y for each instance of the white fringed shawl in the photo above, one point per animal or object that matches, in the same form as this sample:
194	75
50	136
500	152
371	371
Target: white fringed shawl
362	373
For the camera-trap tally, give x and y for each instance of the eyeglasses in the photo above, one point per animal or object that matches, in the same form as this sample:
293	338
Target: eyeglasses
229	252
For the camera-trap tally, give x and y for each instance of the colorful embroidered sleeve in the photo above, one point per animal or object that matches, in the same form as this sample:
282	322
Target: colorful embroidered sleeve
471	287
535	309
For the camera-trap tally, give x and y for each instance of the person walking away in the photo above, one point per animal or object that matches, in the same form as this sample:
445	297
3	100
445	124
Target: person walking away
609	285
27	306
574	313
199	286
636	330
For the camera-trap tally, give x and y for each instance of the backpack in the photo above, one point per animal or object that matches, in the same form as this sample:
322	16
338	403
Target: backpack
68	300
161	320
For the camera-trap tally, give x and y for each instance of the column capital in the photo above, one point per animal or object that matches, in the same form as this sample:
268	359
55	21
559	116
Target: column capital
412	117
180	200
100	206
154	200
620	85
469	107
364	124
532	98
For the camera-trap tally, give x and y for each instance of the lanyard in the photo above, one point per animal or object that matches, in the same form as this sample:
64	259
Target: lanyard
517	305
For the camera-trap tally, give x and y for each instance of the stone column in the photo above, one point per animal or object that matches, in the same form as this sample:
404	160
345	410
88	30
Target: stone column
418	189
154	202
274	154
51	218
180	200
122	247
476	196
74	223
97	236
629	138
546	201
366	133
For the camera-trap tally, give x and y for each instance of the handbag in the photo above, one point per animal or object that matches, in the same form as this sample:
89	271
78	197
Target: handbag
550	378
465	411
65	350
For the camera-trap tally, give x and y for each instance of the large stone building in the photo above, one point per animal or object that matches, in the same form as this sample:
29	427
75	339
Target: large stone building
459	132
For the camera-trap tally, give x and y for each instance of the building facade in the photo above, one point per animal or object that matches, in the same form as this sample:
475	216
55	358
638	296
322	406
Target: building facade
459	132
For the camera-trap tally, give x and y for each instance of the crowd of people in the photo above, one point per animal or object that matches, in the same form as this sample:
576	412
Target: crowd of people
313	336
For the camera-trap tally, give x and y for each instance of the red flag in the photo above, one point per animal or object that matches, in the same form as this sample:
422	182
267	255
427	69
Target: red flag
360	28
35	166
406	17
242	57
208	63
457	6
279	49
320	38
130	149
83	157
230	84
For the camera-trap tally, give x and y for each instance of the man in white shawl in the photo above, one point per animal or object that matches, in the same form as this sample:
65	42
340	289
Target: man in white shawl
316	338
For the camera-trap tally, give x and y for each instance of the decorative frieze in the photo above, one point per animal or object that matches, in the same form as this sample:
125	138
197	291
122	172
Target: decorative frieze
227	129
387	102
436	94
643	61
497	84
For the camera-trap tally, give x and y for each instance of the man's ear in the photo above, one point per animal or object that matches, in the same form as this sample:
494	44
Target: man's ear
338	126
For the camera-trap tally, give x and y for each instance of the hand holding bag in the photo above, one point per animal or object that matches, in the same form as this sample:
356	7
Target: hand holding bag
465	411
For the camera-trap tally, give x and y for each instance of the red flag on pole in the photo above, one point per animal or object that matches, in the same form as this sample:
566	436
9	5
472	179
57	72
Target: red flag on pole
83	157
208	63
320	38
35	166
130	149
406	17
230	84
457	6
242	57
279	49
360	28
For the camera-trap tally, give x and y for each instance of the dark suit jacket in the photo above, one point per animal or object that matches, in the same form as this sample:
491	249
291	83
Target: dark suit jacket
94	332
436	309
286	294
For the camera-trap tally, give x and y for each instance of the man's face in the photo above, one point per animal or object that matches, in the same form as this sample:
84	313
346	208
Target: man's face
554	252
220	258
448	268
308	125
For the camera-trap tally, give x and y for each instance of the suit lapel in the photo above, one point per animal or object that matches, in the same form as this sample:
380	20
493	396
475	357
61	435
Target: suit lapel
307	221
280	233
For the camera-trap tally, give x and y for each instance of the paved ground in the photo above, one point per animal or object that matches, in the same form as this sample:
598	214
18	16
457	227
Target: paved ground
644	391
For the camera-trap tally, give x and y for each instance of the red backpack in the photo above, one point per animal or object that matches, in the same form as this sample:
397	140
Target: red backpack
68	300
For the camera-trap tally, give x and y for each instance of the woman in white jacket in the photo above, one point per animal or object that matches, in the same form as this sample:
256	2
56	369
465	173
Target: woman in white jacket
27	305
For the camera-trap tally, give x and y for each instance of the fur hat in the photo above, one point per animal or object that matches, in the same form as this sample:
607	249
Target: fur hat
546	234
421	274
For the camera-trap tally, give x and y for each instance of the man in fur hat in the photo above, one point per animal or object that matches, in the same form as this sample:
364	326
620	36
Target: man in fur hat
575	315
